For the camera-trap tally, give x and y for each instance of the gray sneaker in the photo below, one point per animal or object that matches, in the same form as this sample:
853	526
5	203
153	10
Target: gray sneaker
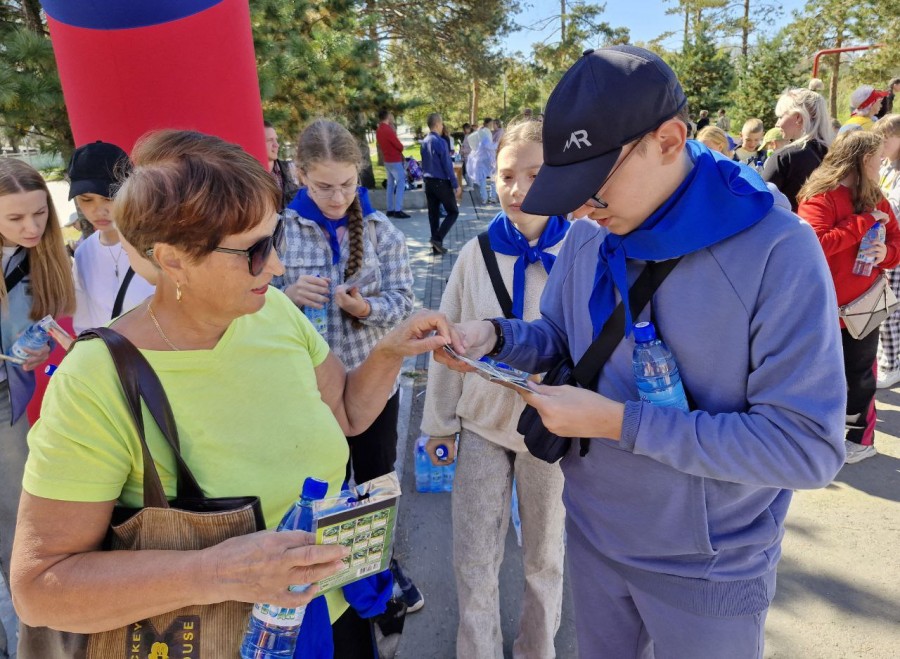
857	452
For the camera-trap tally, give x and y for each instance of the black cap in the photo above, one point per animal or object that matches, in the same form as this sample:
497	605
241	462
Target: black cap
610	97
96	168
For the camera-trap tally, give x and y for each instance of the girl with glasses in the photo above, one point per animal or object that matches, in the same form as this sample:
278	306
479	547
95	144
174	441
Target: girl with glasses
333	239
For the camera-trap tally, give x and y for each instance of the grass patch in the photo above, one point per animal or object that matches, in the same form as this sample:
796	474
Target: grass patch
412	151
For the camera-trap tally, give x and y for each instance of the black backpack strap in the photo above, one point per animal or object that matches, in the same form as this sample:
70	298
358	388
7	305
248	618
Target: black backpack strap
490	260
120	296
588	368
17	274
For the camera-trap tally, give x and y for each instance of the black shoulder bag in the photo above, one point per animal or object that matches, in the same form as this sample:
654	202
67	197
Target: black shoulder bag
542	443
490	260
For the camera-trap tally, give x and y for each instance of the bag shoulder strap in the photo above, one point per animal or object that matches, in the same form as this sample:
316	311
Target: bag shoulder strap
139	381
120	296
17	274
490	260
598	353
588	368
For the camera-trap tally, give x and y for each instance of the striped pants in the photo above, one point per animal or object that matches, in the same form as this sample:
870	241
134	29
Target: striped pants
889	333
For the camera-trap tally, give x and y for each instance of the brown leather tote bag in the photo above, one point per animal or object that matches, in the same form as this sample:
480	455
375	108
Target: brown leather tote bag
189	522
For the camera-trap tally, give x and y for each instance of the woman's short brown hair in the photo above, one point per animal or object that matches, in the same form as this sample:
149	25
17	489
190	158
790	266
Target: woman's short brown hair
191	190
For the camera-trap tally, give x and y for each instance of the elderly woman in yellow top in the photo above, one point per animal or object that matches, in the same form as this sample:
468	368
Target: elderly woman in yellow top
259	400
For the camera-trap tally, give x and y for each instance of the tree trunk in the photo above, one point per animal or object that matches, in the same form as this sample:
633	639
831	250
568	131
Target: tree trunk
745	30
473	114
358	129
562	21
31	14
372	10
687	27
833	91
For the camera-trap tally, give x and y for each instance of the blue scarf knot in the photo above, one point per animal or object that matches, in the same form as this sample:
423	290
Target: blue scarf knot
506	239
718	199
307	208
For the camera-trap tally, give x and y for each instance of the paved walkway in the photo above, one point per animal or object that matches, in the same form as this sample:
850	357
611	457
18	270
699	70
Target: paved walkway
838	581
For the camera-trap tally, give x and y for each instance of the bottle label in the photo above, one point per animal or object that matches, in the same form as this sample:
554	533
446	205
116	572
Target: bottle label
671	397
280	616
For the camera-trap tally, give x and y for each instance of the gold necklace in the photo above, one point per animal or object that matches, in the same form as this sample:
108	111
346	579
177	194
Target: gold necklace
159	329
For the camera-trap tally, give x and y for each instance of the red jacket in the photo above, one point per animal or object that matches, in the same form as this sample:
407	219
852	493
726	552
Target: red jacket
390	145
840	231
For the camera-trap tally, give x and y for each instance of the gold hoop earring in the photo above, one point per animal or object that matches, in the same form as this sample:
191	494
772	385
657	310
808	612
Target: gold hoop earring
177	292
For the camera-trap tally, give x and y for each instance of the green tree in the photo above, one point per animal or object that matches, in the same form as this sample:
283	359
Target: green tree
835	24
706	72
771	67
31	100
315	59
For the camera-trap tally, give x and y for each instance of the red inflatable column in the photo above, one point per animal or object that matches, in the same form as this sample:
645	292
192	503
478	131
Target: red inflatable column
130	67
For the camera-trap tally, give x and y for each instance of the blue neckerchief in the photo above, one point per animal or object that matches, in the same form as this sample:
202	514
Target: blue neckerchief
368	596
306	207
507	239
718	199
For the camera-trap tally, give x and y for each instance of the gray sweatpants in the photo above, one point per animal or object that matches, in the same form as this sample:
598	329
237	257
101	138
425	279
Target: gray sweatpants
614	618
482	490
13	451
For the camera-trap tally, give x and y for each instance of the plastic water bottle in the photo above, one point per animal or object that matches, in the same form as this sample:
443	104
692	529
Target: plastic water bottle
655	370
442	476
423	466
431	478
272	631
318	317
759	165
33	338
864	264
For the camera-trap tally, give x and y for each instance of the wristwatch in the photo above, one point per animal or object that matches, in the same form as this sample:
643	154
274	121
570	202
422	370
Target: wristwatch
498	330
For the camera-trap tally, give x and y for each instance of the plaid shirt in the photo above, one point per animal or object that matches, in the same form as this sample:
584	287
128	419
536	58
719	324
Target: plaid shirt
307	252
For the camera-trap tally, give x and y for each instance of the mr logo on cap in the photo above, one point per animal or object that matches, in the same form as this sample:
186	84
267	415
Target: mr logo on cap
610	97
95	168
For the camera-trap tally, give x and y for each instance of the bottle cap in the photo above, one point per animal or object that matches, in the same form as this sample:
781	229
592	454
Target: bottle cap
314	489
50	369
441	452
644	332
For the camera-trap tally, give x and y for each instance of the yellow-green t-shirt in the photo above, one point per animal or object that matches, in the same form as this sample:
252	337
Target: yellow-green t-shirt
249	416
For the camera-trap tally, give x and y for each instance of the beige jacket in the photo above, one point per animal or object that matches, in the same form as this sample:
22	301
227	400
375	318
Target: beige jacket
455	400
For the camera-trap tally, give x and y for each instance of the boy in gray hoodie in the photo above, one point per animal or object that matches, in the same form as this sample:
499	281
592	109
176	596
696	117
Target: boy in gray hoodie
674	519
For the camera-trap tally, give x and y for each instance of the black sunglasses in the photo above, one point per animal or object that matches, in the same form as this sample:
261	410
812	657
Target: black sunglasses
258	253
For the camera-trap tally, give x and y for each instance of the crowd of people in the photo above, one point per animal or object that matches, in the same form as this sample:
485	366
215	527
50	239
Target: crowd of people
275	303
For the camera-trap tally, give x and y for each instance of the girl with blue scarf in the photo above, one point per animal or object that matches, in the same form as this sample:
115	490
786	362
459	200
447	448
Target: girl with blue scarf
491	453
342	256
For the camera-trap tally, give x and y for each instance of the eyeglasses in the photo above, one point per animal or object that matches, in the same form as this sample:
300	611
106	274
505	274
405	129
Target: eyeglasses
595	200
258	253
328	191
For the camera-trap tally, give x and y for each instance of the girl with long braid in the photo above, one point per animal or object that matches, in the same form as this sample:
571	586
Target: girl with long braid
333	237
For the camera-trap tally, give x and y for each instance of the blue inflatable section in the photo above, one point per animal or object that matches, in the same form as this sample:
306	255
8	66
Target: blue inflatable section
122	14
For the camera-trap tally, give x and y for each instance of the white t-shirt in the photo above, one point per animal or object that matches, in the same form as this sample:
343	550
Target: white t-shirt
98	272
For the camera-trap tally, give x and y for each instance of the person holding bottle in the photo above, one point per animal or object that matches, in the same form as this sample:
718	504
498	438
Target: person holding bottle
37	282
105	283
259	400
888	128
674	518
333	236
842	200
491	452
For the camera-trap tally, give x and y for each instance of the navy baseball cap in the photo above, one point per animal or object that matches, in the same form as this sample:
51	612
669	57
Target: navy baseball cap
96	168
610	97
